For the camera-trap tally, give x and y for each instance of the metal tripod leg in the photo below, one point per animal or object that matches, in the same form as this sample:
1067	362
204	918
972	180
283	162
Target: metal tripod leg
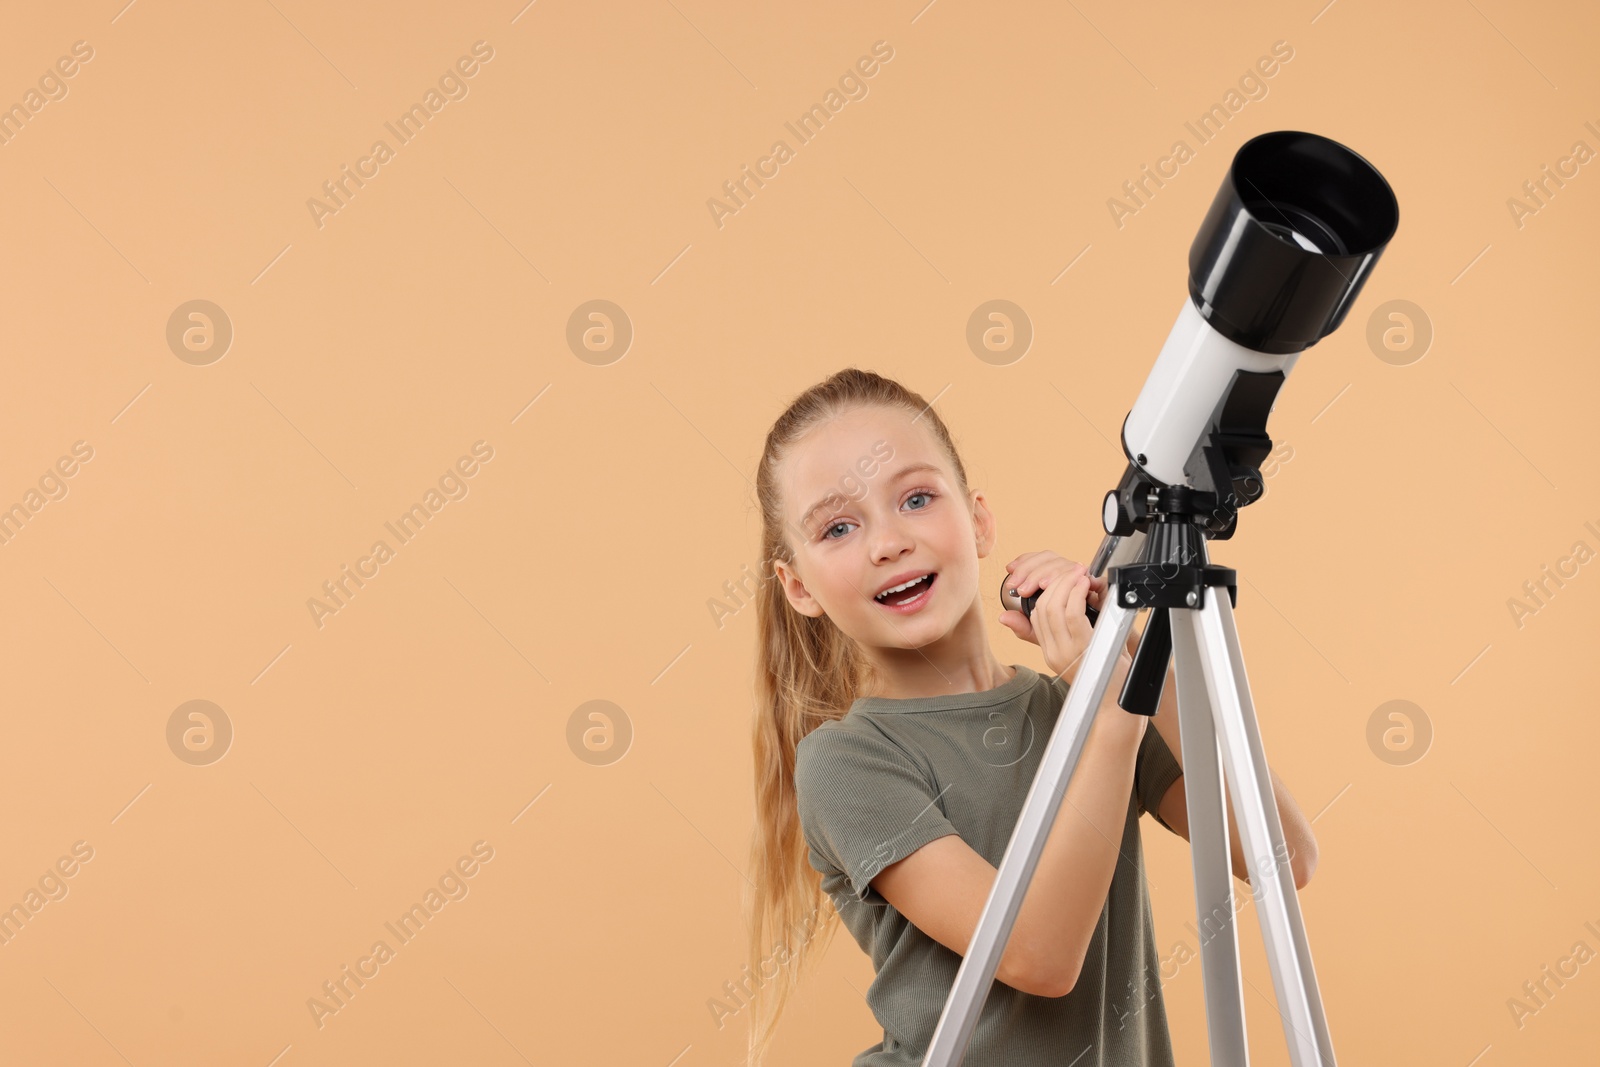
1210	632
976	973
1208	847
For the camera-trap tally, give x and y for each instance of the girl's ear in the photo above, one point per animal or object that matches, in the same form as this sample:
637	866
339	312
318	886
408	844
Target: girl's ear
984	527
794	589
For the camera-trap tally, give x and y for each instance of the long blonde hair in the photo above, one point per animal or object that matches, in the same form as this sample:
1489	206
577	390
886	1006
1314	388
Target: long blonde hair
807	672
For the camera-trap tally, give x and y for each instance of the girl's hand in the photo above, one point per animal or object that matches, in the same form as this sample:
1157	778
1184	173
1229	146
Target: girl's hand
1058	623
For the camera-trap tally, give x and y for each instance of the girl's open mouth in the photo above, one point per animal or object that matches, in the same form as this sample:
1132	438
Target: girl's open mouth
910	599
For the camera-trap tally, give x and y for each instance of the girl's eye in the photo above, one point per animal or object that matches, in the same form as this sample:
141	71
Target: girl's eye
920	492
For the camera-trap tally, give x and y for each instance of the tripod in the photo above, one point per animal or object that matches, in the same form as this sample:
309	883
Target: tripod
1191	619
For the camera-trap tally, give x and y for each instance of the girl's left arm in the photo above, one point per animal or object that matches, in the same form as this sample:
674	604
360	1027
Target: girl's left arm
1174	808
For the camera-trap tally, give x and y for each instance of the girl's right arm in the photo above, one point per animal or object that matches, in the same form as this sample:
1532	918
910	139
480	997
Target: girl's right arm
943	886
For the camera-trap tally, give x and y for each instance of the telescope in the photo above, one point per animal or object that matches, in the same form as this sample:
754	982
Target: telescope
1289	241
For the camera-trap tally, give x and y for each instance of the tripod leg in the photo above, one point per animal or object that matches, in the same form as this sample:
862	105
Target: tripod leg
1208	847
976	973
1261	833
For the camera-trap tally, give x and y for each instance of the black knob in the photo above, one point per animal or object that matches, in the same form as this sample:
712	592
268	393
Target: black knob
1114	517
1025	604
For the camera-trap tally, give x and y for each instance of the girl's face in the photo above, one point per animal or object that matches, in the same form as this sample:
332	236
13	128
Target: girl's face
870	500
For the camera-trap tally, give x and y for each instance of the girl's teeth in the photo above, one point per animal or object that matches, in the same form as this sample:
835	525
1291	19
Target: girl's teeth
898	588
920	585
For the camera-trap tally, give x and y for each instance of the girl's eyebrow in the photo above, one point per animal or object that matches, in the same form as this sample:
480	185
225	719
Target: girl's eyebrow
909	468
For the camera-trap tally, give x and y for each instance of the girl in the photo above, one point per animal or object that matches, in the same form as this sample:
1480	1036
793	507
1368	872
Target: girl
893	752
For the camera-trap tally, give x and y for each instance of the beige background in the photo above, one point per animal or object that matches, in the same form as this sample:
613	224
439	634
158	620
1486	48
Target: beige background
429	313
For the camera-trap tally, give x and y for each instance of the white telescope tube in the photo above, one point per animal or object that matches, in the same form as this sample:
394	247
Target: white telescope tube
1194	370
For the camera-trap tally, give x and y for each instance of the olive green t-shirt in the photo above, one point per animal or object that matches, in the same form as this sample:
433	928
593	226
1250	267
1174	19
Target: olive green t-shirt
892	775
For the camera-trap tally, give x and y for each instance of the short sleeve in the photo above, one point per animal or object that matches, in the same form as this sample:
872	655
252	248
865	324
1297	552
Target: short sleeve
1154	772
864	803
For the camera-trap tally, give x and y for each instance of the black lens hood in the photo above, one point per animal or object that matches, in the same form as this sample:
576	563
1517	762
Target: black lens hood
1249	277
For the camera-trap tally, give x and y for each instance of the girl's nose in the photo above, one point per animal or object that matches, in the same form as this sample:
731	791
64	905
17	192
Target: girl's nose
891	544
